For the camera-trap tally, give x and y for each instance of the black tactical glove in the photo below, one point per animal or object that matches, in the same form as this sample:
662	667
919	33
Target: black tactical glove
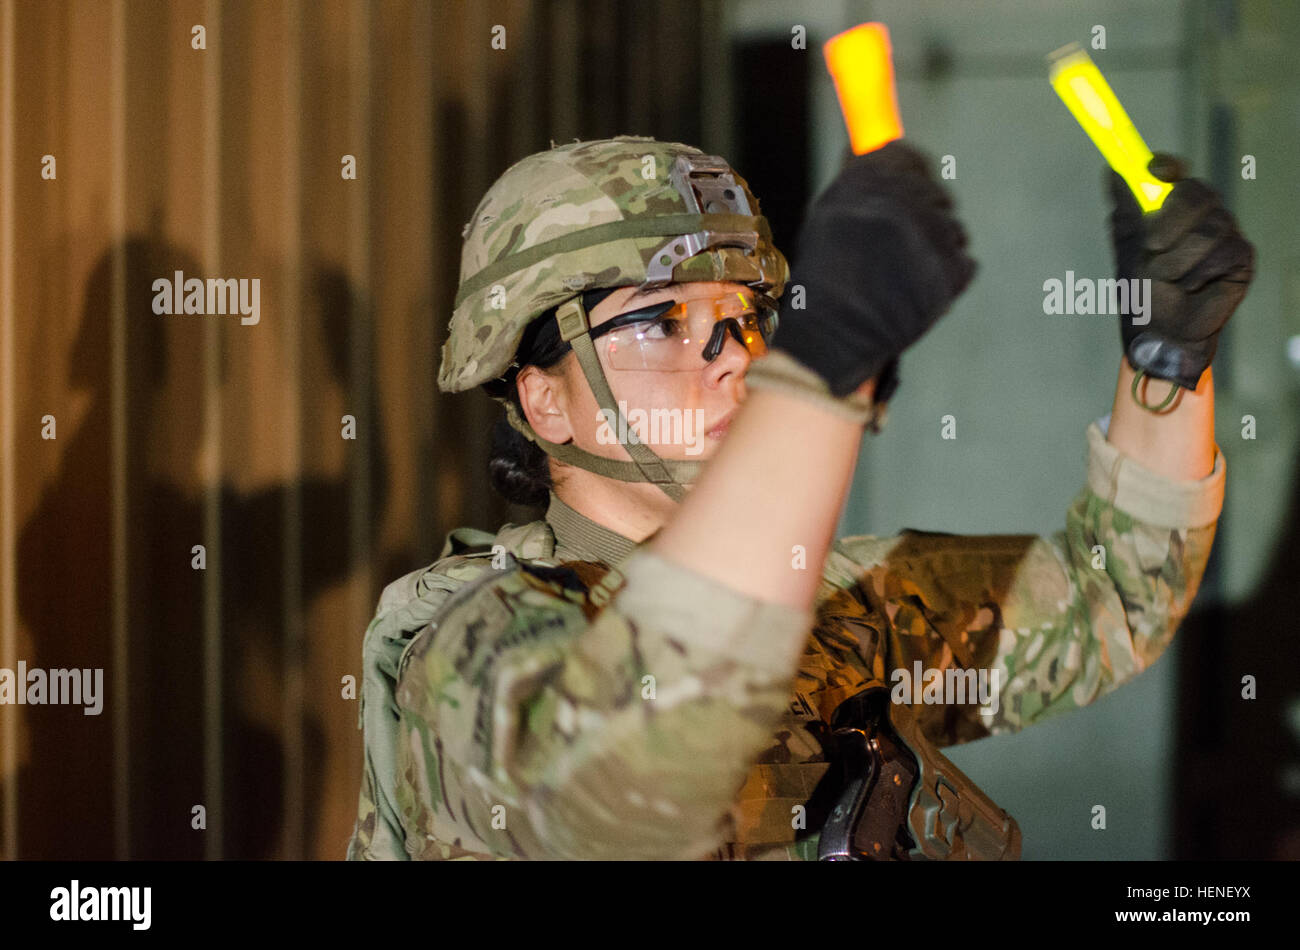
1199	266
880	257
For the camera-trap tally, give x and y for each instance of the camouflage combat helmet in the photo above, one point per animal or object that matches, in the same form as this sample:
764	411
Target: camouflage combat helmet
627	211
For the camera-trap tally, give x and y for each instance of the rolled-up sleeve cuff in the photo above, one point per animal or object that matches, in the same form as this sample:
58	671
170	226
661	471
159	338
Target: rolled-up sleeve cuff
710	616
1149	497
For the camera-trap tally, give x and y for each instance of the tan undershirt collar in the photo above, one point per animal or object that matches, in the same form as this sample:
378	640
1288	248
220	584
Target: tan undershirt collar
578	538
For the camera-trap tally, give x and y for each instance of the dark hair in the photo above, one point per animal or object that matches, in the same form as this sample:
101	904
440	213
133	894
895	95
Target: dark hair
517	468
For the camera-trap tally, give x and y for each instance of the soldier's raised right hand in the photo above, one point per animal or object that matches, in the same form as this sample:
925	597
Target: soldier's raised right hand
880	257
1199	264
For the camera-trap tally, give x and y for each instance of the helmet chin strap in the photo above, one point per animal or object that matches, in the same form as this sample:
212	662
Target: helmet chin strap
671	475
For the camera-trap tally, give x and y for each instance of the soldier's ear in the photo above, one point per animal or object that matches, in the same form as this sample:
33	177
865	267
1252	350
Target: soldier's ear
541	396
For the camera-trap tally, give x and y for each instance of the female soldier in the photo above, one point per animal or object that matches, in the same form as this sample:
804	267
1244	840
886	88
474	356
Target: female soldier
654	673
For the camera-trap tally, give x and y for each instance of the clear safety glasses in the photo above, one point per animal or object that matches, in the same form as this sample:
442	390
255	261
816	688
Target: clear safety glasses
680	336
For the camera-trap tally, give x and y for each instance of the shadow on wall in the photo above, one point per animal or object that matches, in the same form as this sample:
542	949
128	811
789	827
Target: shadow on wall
65	592
1238	774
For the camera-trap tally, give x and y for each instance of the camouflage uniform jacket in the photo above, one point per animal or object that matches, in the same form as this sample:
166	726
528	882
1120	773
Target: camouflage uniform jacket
535	703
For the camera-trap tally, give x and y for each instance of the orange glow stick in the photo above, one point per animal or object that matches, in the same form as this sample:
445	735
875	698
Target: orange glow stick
861	65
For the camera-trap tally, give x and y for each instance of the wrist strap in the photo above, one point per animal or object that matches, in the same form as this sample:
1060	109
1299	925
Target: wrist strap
1137	378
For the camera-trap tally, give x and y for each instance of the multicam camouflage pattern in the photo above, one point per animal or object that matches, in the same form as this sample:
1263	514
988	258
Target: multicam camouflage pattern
506	714
559	192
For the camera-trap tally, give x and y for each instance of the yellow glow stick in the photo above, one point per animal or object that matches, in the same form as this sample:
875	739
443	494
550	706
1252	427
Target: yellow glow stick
1079	83
861	65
